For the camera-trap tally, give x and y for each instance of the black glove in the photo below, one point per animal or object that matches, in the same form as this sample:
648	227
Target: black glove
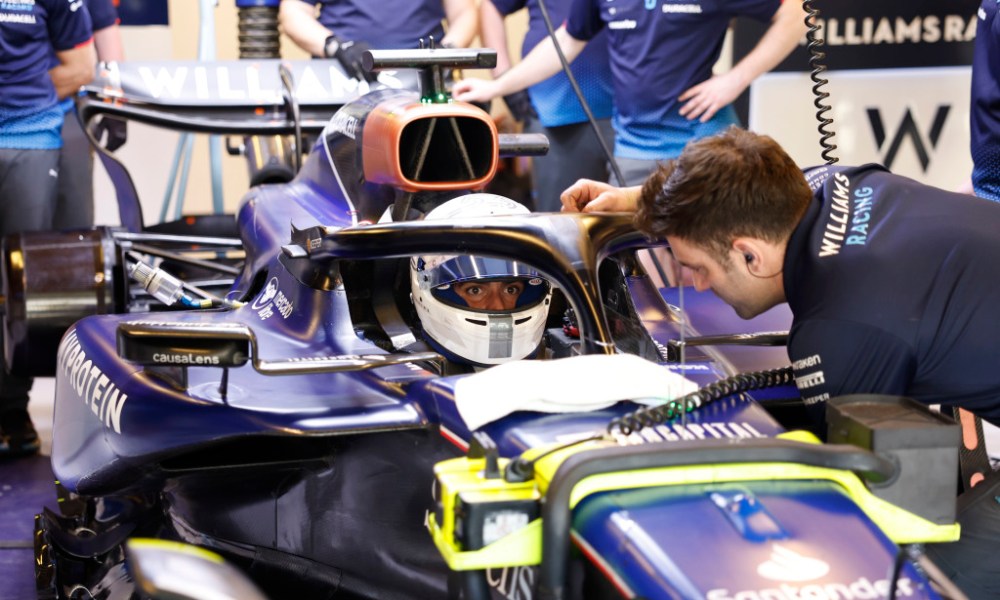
349	54
117	130
519	105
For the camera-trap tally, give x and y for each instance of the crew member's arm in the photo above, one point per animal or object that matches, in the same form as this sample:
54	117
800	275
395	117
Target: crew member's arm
587	195
75	68
108	42
107	35
463	21
298	20
540	64
493	34
708	97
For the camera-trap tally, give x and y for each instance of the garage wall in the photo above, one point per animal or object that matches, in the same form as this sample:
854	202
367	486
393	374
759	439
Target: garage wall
903	96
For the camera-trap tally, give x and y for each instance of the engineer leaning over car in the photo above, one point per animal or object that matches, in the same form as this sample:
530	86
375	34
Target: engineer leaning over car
892	285
344	29
31	85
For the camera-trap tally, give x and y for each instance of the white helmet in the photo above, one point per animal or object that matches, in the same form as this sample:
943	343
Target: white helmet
478	310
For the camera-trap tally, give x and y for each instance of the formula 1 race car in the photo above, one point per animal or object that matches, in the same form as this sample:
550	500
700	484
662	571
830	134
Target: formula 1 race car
346	417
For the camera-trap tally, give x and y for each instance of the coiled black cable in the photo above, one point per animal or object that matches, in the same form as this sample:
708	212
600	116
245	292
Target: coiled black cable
258	32
814	43
737	384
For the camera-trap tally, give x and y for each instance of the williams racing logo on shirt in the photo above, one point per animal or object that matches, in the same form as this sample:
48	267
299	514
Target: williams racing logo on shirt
17	11
849	216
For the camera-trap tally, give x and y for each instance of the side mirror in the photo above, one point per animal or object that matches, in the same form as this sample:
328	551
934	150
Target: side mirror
184	345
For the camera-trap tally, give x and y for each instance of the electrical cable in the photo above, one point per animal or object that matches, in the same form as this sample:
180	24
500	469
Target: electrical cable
292	106
579	94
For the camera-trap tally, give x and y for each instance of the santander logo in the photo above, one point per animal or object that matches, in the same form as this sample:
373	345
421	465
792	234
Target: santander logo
786	565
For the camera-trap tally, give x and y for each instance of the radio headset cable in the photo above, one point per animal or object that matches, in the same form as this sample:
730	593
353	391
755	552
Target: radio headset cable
816	55
579	94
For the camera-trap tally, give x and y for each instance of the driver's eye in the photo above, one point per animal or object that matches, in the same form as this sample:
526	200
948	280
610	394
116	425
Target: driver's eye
513	290
474	290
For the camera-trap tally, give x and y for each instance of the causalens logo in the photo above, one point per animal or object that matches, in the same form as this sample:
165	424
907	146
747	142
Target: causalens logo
908	129
787	568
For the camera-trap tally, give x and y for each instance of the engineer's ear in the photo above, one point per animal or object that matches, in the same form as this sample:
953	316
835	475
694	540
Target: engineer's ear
762	259
750	254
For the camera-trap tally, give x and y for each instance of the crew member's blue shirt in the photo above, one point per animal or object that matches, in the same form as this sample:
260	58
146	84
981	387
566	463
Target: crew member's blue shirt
102	15
659	49
893	289
383	24
985	113
554	99
30	30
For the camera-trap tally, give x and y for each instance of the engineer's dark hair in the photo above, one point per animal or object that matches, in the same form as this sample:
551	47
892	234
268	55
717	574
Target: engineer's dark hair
733	184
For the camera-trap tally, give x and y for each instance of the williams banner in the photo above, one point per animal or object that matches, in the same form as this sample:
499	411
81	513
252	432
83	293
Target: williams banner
899	77
882	34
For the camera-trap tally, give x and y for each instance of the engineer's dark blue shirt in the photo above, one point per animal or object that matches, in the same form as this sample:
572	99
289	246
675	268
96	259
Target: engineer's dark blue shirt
659	49
893	289
30	117
985	113
383	24
554	99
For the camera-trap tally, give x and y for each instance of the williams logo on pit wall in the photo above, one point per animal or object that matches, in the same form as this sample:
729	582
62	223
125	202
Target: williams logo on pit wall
922	139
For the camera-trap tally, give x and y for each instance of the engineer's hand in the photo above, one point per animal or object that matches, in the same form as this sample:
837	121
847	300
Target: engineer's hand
587	195
710	96
475	90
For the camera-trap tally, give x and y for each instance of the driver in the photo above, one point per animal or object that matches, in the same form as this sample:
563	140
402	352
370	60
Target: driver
477	310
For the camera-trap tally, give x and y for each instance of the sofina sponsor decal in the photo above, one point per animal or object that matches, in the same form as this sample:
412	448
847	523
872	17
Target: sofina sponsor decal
90	384
792	570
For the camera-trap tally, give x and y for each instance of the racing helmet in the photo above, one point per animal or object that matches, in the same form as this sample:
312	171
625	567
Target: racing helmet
478	310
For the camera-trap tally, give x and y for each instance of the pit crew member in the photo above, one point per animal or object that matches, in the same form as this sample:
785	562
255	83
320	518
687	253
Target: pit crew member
551	107
891	284
344	29
985	109
75	198
662	55
30	120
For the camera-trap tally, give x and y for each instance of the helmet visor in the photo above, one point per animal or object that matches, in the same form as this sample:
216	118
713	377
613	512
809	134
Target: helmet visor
482	284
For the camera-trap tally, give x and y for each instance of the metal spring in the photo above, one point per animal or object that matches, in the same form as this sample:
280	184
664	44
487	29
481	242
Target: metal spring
737	384
817	55
258	32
